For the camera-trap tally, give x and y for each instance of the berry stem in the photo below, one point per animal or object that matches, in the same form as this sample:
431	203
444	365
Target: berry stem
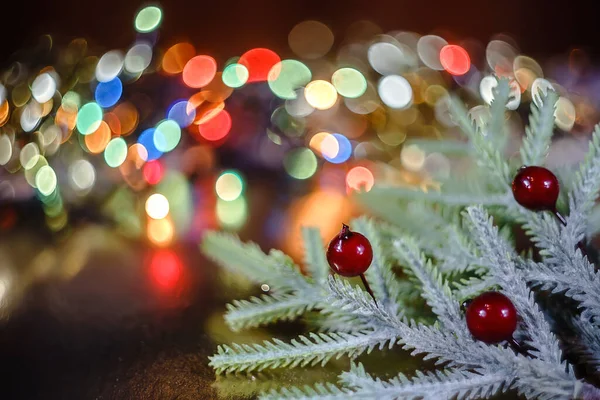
367	287
345	232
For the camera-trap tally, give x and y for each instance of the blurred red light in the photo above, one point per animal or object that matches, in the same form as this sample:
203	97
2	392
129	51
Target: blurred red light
217	127
165	269
153	172
259	62
199	71
455	59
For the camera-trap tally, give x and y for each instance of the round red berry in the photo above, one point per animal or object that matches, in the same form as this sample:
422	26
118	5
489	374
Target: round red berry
349	253
536	188
491	317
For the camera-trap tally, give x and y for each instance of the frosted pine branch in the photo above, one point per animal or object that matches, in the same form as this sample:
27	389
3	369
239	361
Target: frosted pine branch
243	314
538	134
314	254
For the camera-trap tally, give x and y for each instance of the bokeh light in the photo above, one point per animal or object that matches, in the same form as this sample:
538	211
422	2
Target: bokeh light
199	71
395	91
217	127
109	66
28	155
167	135
107	94
128	118
229	186
31	116
565	114
82	175
412	157
287	76
235	75
97	141
349	82
6	149
360	179
160	231
153	172
157	206
115	152
138	58
183	113
43	87
148	19
45	180
344	150
325	144
176	57
310	39
259	62
320	94
166	269
89	118
429	48
455	59
300	163
146	139
233	214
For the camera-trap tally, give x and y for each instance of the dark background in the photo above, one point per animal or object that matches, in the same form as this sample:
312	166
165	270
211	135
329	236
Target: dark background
224	28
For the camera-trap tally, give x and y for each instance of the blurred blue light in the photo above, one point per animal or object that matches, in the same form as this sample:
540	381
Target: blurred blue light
146	139
108	93
344	152
182	113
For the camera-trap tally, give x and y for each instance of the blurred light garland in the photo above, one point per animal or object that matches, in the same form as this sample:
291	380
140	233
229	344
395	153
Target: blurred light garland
348	107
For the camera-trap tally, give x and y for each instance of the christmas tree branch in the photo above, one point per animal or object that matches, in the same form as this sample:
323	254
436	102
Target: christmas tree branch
395	193
314	255
538	134
256	311
247	259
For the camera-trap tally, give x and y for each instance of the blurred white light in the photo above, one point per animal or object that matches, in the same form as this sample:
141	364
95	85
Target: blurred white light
540	87
157	206
109	66
138	58
385	58
429	48
395	91
43	88
31	116
82	175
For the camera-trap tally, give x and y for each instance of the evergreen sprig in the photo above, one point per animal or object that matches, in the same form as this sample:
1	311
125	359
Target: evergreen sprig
451	248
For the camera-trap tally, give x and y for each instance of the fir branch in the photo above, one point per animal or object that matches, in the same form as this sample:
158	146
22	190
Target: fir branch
586	343
395	193
383	282
323	391
243	314
275	269
435	290
469	288
303	351
438	385
486	149
314	254
538	134
505	272
446	146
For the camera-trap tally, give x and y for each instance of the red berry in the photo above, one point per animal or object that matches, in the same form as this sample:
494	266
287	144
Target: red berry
491	317
536	188
349	253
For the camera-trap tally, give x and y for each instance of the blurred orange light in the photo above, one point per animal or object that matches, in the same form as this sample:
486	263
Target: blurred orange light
217	127
96	142
259	62
128	117
360	179
455	59
4	112
160	231
216	90
113	123
325	145
176	57
66	118
199	71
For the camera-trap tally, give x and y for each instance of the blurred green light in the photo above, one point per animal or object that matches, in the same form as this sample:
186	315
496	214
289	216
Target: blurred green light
167	135
71	100
232	214
115	152
300	163
89	118
45	180
235	75
349	82
148	19
287	76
